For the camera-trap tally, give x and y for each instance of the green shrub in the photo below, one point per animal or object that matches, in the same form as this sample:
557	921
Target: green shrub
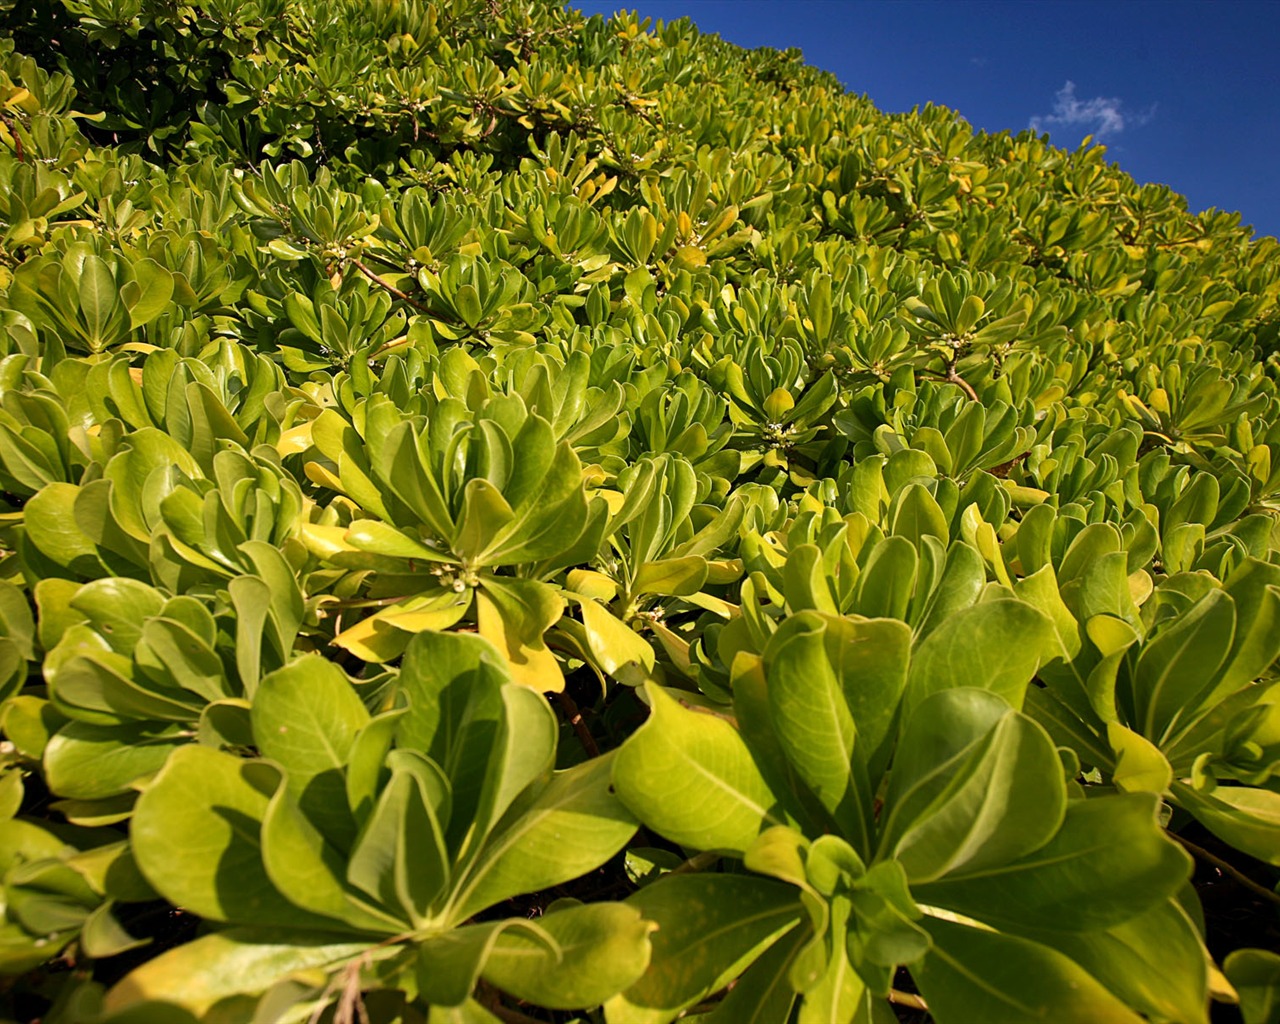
504	513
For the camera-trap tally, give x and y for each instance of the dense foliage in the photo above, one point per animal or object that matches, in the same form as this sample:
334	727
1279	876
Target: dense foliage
507	514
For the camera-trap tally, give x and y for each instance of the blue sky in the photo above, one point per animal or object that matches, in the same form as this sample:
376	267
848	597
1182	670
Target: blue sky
1184	92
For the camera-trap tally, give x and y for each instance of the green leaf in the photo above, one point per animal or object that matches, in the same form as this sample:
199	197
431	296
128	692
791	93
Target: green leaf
98	298
453	683
550	510
688	775
485	513
574	824
710	927
763	993
383	539
306	717
169	652
1247	818
1176	667
859	663
402	461
400	858
11	794
888	581
1140	767
103	935
522	757
301	312
49	520
963	576
89	762
837	993
1255	589
826	674
1156	962
238	961
95	684
1109	863
995	646
1255	973
917	514
28	723
974	786
618	649
196	836
466	1012
513	614
366	764
672	577
251	598
882	931
147	295
309	871
467	302
449	963
601	948
118	609
971	974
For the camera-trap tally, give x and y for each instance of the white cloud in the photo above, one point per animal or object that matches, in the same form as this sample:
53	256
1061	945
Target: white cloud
1101	116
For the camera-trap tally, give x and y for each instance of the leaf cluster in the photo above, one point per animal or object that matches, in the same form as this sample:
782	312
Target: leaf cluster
510	513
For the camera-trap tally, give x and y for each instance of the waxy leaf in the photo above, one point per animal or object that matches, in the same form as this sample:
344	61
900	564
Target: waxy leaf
306	717
1079	880
972	974
599	950
197	838
975	785
237	961
993	645
90	762
743	915
688	775
1180	663
572	825
1255	973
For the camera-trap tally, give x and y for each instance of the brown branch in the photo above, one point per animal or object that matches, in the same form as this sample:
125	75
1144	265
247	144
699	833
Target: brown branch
510	1016
491	999
403	297
398	343
908	999
17	139
698	862
1230	869
955	378
572	712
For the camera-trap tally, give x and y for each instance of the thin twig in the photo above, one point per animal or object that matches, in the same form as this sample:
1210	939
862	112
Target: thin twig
955	378
698	862
398	343
403	297
1234	872
512	1016
908	999
571	711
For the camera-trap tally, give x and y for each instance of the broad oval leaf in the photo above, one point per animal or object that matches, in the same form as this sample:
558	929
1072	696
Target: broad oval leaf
688	775
1108	863
574	824
197	838
970	974
237	961
600	949
993	645
974	787
709	928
